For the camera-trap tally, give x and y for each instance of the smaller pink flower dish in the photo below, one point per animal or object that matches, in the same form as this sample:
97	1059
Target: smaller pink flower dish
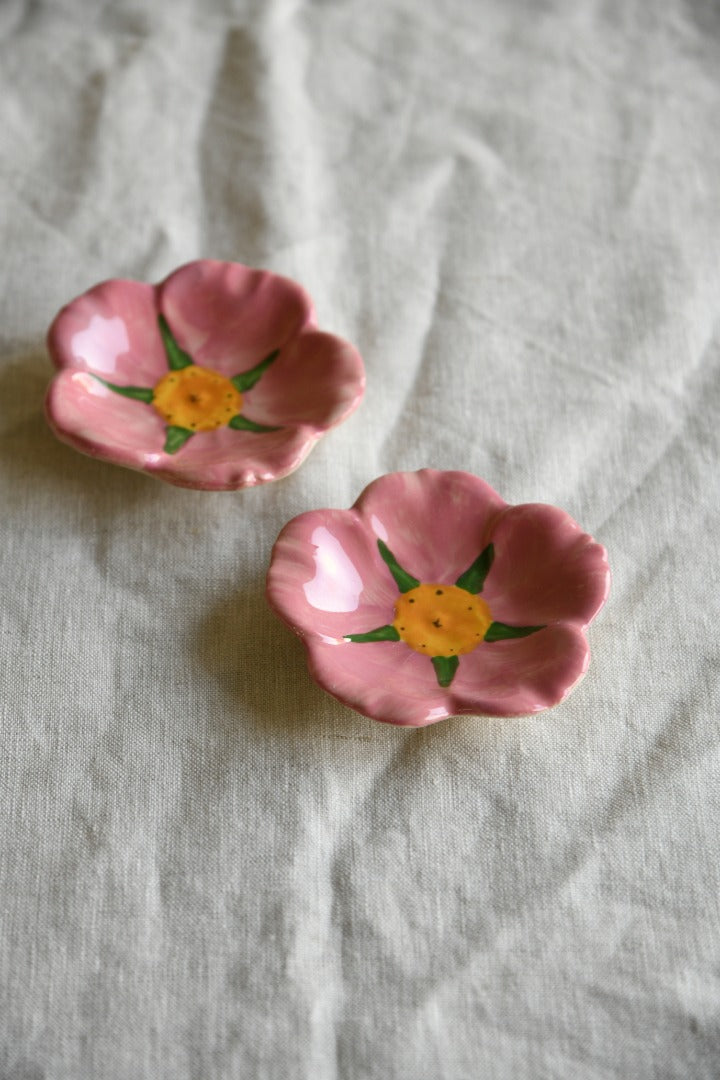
432	597
217	378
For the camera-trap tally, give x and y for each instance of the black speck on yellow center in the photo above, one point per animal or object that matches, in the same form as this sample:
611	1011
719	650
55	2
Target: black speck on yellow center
196	398
441	620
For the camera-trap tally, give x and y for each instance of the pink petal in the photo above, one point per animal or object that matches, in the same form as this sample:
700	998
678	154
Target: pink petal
226	460
100	422
384	680
317	379
111	330
229	317
326	577
546	568
435	523
520	676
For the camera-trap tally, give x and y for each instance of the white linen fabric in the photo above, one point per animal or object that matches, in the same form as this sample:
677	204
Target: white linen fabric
208	867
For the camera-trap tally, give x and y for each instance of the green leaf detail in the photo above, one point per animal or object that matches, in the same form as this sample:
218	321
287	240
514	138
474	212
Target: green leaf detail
176	358
175	438
382	633
445	668
404	581
247	379
137	393
474	577
499	631
241	423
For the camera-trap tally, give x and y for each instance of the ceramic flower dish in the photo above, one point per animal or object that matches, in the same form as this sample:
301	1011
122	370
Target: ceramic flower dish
217	378
432	597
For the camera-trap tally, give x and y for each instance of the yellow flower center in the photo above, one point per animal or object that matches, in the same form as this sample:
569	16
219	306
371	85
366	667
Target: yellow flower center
196	398
441	620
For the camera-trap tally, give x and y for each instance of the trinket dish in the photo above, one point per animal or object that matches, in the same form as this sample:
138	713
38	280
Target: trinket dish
217	378
432	597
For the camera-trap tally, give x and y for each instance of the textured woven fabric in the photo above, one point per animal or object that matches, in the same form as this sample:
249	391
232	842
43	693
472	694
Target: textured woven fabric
209	869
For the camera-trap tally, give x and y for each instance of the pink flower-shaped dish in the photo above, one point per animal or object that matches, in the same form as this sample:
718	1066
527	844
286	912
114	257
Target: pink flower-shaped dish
216	378
431	597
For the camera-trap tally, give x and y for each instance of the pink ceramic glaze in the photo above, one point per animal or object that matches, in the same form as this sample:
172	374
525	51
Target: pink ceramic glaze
502	596
217	378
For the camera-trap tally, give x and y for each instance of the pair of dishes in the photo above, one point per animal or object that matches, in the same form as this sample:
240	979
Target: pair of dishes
430	597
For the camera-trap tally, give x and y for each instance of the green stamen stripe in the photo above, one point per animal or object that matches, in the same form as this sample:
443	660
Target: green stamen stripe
445	668
241	423
175	438
498	631
247	379
474	577
382	633
404	581
137	393
176	358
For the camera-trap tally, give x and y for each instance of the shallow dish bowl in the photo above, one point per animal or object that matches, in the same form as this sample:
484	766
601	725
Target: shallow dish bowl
217	378
432	597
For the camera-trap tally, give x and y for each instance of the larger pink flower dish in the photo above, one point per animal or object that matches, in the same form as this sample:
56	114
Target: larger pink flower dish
432	597
216	378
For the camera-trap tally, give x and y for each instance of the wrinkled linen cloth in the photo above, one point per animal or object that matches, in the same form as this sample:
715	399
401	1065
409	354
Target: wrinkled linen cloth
209	868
